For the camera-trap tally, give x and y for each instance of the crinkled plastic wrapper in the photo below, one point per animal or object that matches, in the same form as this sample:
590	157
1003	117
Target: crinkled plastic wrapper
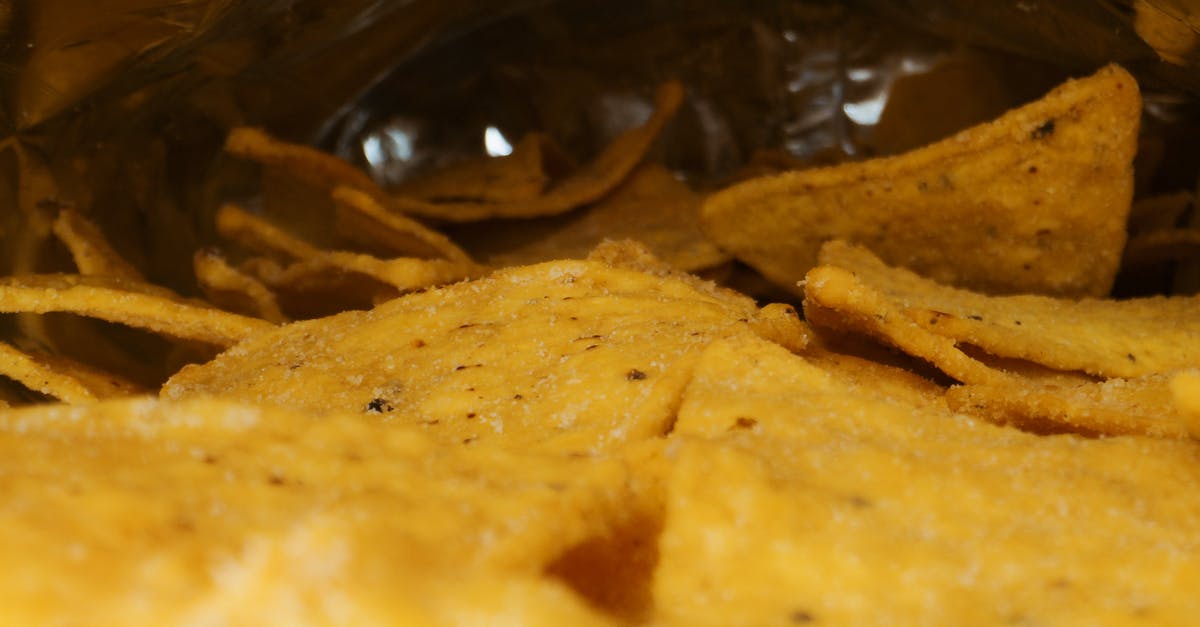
119	108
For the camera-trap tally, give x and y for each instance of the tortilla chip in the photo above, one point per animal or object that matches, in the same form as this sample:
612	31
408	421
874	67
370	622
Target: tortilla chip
259	235
651	206
837	299
318	167
234	290
1158	213
1108	338
1185	390
60	378
362	219
208	512
570	356
358	278
126	302
516	177
1035	201
1139	406
92	253
798	497
587	184
1163	245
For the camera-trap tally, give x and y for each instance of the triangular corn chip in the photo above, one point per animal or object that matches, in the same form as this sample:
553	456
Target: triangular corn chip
1035	201
798	497
141	512
568	356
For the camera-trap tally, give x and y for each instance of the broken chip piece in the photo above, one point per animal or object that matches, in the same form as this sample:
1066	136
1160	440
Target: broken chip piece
1035	201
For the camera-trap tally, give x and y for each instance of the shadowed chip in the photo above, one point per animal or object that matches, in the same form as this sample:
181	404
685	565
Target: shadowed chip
362	219
92	253
234	290
1035	201
585	185
359	278
573	355
519	176
651	207
147	513
798	497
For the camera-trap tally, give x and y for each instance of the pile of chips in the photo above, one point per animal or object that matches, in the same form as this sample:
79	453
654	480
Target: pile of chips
503	393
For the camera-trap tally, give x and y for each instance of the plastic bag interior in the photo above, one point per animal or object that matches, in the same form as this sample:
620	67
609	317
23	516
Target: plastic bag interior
120	109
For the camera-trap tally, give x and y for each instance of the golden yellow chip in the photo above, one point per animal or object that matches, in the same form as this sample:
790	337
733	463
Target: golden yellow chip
61	378
92	253
358	278
651	206
362	219
234	290
142	512
571	356
516	177
1139	406
798	497
126	302
1185	391
1035	201
1108	338
317	167
587	184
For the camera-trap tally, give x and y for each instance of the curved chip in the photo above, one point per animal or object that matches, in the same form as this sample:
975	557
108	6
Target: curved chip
234	290
569	356
1035	201
1109	338
126	302
651	206
320	168
365	221
515	177
92	253
60	378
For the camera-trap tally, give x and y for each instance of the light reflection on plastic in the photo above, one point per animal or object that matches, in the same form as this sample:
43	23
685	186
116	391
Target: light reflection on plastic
373	151
401	144
866	112
495	144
